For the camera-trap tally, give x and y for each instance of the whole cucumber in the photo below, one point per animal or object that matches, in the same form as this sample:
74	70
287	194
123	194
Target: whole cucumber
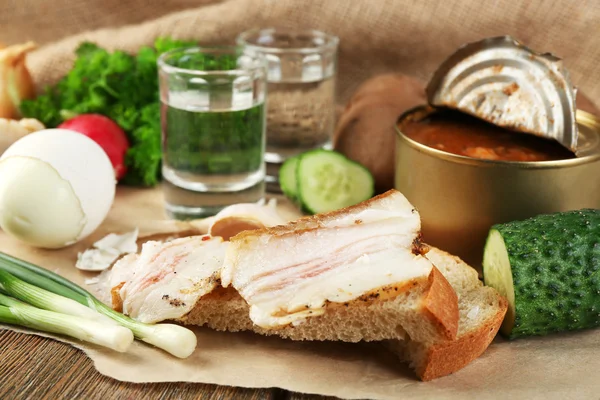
548	267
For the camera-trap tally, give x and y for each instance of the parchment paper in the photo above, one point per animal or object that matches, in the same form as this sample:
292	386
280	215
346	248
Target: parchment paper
562	366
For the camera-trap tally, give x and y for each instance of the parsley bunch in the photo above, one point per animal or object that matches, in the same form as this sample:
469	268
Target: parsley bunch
120	86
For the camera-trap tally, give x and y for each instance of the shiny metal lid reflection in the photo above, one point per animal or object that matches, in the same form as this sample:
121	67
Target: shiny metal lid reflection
502	81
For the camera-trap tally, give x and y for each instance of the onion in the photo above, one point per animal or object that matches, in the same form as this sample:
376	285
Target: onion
15	81
56	187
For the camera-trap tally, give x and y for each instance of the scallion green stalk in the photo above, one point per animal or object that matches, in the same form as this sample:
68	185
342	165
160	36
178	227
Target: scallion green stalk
15	312
46	300
175	339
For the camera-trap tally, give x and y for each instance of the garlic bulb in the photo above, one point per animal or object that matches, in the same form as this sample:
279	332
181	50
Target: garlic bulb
12	130
242	217
15	81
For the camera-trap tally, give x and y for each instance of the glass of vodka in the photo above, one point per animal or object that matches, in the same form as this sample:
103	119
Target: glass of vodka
301	76
213	129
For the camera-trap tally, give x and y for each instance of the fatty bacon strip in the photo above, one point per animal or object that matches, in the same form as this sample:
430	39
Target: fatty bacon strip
289	273
166	279
286	273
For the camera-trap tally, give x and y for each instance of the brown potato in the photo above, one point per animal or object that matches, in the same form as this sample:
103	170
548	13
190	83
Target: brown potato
365	130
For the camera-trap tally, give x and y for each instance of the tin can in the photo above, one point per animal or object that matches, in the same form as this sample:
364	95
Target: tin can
460	198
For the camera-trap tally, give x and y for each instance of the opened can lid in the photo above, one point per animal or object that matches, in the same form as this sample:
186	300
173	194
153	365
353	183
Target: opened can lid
502	81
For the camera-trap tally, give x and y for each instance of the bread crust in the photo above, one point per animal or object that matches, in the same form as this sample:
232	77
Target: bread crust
448	357
115	296
441	303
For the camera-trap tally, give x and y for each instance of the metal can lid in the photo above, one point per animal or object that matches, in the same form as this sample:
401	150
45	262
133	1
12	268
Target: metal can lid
502	81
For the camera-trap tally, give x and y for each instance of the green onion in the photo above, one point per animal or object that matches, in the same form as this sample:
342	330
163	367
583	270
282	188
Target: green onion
46	300
39	277
112	336
175	339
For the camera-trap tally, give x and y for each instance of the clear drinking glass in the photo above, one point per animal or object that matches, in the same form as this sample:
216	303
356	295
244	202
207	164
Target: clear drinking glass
213	129
301	88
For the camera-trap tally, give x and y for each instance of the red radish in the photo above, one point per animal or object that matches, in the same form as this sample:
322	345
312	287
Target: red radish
106	133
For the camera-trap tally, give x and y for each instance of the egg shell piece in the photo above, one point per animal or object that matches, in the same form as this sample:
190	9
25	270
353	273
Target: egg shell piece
96	259
122	243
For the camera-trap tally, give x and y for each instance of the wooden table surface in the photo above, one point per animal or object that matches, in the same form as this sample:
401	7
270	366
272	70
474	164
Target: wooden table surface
33	367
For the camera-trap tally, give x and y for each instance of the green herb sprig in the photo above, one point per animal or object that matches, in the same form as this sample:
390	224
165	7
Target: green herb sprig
121	86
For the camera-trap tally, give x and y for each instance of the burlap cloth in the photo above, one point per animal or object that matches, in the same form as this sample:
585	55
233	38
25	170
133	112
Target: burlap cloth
409	36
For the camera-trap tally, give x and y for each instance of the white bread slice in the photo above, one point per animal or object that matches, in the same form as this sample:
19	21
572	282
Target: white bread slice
481	311
225	310
365	319
410	295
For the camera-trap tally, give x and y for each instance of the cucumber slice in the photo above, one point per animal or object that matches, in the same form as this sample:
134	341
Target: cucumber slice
498	274
287	178
328	181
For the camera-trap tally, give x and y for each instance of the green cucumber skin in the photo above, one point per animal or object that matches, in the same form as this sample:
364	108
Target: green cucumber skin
555	262
287	178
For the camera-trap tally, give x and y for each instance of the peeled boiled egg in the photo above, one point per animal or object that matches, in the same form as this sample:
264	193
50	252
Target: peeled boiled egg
56	187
